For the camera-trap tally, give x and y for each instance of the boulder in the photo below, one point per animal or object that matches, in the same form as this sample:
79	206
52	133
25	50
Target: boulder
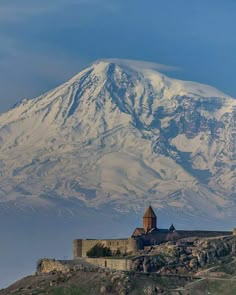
193	263
150	290
103	290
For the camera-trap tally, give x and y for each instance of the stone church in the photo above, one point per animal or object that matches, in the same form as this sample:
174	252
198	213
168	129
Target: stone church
142	237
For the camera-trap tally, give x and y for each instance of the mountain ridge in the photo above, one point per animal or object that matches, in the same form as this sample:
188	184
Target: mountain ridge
116	134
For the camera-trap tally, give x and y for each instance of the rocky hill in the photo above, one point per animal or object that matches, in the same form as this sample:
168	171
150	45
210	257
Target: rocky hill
117	135
207	265
93	283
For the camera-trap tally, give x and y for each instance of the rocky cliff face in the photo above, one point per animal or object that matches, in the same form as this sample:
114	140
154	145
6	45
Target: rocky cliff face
115	135
184	258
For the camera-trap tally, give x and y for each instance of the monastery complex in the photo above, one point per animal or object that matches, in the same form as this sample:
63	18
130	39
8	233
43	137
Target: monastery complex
142	237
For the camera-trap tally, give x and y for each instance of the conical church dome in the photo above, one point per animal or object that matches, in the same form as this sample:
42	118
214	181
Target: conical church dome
172	228
149	213
149	219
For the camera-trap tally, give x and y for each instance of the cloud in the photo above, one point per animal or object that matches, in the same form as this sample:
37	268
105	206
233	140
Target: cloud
144	64
27	75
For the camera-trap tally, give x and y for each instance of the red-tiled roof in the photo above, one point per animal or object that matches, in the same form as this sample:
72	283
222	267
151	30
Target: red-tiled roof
149	213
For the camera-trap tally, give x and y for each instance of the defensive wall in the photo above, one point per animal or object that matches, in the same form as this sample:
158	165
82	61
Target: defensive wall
111	263
133	244
124	246
202	233
65	266
158	237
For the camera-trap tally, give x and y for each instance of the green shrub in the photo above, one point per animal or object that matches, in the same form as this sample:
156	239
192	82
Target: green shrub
99	250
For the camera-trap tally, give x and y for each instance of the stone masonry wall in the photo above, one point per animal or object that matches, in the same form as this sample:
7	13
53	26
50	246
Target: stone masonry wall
50	265
116	264
131	245
203	233
77	248
159	237
81	247
87	245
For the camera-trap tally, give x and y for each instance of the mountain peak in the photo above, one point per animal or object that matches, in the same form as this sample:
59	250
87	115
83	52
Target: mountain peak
120	132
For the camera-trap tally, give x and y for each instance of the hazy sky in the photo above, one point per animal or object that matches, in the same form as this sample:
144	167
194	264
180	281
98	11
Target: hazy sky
43	43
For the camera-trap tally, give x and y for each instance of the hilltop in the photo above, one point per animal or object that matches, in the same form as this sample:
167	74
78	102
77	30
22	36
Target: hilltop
214	270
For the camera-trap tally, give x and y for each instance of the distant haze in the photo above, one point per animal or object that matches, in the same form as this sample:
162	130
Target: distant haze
44	43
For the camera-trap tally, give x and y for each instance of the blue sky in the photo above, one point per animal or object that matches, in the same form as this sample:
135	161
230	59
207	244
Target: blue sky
43	43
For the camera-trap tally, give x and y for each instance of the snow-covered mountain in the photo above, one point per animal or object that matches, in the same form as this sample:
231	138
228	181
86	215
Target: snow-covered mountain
120	136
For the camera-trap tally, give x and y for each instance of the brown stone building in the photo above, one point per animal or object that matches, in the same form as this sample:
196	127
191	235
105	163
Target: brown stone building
147	235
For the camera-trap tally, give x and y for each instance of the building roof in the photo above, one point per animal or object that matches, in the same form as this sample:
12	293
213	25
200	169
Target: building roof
172	228
149	213
138	232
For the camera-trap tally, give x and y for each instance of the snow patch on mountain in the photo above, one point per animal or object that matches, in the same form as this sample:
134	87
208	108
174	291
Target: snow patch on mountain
117	134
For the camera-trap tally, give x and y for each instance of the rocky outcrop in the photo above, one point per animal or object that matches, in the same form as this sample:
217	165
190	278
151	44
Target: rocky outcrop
50	265
180	259
161	270
163	259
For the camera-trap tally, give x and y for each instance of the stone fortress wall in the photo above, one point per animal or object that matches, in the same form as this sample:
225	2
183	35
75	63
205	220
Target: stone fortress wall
197	254
64	266
202	233
149	235
143	240
111	263
124	246
133	244
160	237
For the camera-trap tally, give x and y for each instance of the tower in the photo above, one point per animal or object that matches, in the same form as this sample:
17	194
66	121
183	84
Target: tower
149	219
